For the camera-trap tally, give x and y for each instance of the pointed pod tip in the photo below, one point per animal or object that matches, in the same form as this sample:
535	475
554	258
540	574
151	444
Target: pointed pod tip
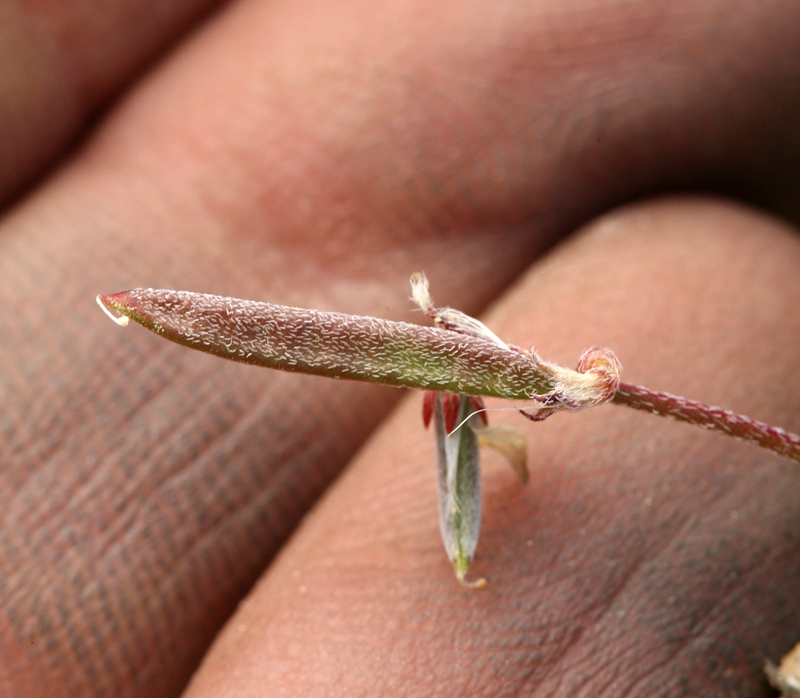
107	302
460	567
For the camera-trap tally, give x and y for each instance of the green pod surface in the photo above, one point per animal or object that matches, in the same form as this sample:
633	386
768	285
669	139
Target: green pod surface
459	485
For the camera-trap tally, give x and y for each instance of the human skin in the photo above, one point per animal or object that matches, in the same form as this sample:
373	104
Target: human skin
305	154
63	60
643	557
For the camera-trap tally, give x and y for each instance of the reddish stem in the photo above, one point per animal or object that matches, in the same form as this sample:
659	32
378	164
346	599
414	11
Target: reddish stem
709	417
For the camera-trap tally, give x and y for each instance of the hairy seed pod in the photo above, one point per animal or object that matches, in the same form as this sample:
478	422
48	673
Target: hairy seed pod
453	362
334	344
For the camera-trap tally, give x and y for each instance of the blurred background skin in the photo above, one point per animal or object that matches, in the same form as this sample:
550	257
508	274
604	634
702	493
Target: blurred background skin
316	154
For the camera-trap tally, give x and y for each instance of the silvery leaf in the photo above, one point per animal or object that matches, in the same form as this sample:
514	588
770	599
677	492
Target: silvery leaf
459	483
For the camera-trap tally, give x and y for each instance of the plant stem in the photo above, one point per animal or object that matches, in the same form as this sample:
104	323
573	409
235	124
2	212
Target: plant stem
709	417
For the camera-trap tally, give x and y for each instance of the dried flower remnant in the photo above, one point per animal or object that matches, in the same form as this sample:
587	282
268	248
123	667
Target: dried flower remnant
510	443
786	677
454	362
594	383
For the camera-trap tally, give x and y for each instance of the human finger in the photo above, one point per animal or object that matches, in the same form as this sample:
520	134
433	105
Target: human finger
61	61
302	155
643	557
